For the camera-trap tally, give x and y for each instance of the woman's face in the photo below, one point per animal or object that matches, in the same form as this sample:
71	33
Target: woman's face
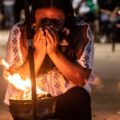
50	17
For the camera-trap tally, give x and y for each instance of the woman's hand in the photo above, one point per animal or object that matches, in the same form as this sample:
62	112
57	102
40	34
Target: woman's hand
40	42
52	41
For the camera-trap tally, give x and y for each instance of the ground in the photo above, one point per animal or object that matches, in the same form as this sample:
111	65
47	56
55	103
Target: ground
106	87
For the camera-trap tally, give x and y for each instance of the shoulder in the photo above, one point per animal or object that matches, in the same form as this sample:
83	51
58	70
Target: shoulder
85	29
17	27
15	33
16	30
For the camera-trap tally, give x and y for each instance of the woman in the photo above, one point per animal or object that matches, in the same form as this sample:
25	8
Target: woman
63	57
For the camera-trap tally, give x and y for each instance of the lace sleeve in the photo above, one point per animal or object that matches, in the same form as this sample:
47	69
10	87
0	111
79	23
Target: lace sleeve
12	56
13	51
9	52
86	58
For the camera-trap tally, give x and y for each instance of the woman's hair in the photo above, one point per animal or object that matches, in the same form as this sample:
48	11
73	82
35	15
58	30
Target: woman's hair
64	5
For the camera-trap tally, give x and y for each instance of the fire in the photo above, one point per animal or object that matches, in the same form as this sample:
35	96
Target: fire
23	85
4	63
16	80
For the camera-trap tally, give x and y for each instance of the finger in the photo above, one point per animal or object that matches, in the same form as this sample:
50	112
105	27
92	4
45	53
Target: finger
50	32
38	35
42	36
53	34
50	36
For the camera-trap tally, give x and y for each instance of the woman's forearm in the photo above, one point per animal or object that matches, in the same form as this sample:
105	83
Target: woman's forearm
71	71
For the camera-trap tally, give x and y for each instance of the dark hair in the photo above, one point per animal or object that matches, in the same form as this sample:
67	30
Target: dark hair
64	5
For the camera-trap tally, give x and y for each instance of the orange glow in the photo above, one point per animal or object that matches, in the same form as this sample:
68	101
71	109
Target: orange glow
4	63
16	81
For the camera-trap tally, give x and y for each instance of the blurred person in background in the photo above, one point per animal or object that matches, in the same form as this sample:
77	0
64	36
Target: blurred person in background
116	30
107	19
8	8
19	6
63	54
118	20
87	10
1	14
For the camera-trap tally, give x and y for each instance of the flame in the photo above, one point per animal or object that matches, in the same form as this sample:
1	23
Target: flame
16	80
24	85
4	63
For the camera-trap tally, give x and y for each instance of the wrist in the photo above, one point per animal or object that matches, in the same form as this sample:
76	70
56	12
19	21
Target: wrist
52	54
39	53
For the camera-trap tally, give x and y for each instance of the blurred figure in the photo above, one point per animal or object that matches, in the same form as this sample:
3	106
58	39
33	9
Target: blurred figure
118	20
86	9
1	13
116	31
107	14
8	8
19	6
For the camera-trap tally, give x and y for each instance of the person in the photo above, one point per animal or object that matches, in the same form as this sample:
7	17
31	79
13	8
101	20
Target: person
18	9
107	19
8	7
86	9
116	31
1	14
63	57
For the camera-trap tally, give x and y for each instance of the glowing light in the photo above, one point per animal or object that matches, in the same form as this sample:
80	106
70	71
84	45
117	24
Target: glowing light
16	80
4	63
23	85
